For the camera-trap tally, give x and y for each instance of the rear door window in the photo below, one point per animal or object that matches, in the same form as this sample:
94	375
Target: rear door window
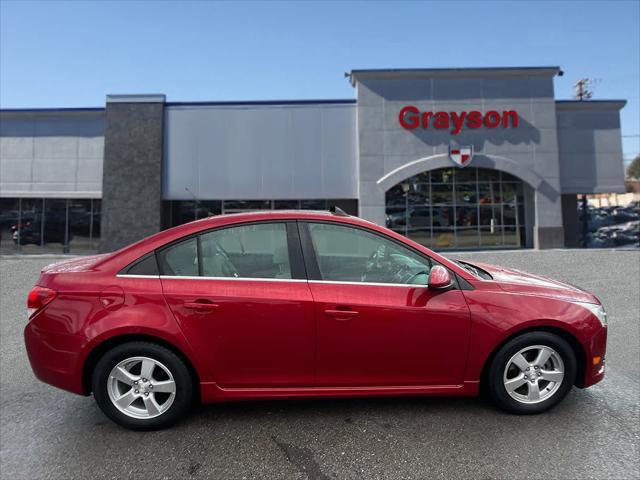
246	251
180	259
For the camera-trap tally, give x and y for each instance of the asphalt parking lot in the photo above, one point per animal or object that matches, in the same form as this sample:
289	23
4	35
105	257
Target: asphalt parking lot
594	433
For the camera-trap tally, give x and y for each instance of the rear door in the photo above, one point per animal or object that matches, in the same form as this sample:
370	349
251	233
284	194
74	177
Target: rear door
241	297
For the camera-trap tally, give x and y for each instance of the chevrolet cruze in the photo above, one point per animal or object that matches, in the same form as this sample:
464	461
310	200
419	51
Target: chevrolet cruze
298	304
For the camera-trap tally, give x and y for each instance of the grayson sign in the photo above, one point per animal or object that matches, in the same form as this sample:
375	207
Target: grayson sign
411	117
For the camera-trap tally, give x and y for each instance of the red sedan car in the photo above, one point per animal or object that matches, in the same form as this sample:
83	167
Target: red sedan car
303	304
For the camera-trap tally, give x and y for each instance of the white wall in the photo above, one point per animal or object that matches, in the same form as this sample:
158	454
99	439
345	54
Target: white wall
51	154
260	152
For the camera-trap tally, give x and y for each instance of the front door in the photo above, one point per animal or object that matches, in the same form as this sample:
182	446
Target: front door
241	298
378	323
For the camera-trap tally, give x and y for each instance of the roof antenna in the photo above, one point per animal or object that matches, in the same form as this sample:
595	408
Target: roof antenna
338	211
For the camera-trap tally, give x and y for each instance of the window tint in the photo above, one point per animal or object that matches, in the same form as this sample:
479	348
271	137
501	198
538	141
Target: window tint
347	254
180	259
247	251
144	266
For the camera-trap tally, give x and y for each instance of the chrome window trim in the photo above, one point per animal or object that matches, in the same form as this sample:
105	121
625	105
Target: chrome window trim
246	279
128	275
297	280
405	285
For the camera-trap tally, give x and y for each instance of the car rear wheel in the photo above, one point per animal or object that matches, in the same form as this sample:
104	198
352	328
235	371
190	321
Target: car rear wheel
532	373
142	386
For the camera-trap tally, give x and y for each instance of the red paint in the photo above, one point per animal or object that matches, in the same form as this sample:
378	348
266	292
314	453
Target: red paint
262	334
249	339
411	118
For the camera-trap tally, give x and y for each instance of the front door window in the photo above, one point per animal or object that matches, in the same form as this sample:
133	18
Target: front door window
347	254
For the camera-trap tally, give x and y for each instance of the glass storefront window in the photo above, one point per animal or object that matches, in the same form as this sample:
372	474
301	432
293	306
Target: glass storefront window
443	238
509	192
467	175
209	208
80	226
313	204
509	215
236	206
442	216
395	197
177	212
467	237
96	216
442	175
466	216
441	193
459	208
490	237
488	193
29	229
286	204
512	236
490	215
423	177
487	175
49	225
55	225
421	235
9	218
466	194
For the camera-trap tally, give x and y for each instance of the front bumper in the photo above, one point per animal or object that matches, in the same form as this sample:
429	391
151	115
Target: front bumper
595	351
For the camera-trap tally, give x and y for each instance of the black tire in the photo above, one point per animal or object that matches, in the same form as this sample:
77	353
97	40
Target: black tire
184	387
497	389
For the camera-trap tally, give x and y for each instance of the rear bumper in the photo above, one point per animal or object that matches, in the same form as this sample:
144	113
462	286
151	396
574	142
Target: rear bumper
596	347
54	358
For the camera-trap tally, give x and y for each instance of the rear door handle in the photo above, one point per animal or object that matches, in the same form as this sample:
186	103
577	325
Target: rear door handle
341	314
201	306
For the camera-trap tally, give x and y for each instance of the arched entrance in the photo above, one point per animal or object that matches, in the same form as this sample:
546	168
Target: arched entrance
452	208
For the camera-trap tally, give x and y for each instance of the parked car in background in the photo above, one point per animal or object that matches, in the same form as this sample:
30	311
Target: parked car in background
300	304
31	231
624	234
611	226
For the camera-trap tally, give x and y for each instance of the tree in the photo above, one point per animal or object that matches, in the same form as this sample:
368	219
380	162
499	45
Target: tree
633	170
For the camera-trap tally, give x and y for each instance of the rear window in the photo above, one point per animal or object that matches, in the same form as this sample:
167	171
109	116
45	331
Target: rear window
147	265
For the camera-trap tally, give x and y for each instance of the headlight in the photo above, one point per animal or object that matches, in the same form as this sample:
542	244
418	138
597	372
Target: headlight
597	310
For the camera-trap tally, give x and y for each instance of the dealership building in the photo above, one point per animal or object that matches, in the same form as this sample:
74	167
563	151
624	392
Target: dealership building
468	158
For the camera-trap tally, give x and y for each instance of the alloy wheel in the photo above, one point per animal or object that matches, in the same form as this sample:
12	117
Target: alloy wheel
141	387
534	374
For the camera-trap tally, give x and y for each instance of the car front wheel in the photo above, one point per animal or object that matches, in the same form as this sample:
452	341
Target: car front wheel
532	372
142	386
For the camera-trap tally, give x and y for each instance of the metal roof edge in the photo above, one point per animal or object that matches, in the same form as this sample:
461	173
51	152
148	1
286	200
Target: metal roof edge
590	104
451	72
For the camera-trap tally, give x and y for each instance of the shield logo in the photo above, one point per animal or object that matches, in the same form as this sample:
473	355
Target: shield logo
461	155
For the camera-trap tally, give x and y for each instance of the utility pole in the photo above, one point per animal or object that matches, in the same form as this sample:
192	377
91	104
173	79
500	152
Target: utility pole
585	222
582	89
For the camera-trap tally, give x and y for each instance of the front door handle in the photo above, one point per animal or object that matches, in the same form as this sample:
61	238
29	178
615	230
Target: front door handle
341	314
201	306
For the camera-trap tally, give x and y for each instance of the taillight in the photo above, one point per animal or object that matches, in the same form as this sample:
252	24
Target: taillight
38	298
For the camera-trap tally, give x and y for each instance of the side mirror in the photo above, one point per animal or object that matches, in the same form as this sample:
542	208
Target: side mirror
439	277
